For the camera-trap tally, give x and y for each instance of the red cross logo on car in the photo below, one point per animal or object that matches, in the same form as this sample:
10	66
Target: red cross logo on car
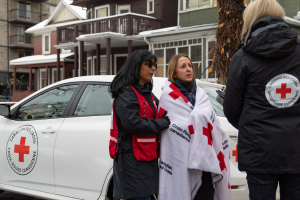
283	90
22	149
235	153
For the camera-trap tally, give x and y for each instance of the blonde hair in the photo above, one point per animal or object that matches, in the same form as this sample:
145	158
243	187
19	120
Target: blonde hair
172	67
258	9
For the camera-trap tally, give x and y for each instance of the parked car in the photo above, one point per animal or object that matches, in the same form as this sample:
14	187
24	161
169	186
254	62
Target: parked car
54	143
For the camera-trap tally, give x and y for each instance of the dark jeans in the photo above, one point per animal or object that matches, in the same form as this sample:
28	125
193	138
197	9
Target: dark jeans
141	198
263	186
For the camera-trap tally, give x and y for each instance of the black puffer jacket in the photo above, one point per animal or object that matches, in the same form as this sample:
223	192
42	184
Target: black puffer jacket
262	98
137	178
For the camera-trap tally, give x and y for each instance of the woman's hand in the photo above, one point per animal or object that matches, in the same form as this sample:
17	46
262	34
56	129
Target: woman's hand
164	116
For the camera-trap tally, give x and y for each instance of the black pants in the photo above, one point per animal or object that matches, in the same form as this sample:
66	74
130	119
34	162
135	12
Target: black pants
206	191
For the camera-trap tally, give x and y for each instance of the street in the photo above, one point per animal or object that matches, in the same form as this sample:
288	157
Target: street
9	196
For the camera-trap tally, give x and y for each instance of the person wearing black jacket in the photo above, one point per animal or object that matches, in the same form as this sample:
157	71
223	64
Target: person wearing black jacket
262	102
134	178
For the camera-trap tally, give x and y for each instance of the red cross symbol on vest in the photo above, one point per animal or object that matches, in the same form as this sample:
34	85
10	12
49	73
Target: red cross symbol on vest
235	153
22	149
283	90
221	159
207	133
175	94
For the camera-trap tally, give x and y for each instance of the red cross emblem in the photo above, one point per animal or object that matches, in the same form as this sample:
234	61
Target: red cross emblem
207	133
22	149
191	129
283	90
175	94
222	161
235	153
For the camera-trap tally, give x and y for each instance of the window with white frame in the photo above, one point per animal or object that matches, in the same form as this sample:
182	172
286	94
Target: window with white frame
54	76
102	11
121	9
103	61
46	44
194	4
192	47
150	6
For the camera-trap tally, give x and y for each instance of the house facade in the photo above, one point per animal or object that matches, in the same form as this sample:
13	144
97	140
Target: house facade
94	37
16	16
111	32
195	35
98	43
42	66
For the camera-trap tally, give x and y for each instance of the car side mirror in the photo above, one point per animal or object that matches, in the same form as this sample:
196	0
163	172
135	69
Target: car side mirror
5	110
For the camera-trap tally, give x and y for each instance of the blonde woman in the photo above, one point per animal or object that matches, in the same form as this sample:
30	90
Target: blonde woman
262	102
194	156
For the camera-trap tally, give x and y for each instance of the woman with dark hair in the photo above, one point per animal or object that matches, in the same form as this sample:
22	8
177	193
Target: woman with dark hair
134	142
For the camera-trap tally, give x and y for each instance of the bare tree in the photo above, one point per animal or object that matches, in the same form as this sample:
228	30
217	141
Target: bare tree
228	36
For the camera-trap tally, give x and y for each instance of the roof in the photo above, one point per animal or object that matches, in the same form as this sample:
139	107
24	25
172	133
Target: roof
39	59
79	12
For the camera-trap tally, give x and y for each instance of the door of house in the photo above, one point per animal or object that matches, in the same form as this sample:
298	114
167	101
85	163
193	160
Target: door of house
120	60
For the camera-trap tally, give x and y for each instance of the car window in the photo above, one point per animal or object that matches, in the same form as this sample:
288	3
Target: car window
96	100
216	101
51	104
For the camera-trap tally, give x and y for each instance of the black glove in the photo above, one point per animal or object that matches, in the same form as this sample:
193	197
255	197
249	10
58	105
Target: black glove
164	116
168	119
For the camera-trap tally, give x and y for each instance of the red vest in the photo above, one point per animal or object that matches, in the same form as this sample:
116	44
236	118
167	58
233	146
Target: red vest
144	147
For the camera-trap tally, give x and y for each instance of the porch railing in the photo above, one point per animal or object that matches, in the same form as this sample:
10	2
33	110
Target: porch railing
128	24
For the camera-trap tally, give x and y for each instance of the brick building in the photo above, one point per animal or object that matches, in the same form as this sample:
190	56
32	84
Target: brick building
42	66
16	16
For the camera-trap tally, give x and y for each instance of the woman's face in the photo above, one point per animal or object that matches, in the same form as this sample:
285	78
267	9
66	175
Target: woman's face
184	70
146	72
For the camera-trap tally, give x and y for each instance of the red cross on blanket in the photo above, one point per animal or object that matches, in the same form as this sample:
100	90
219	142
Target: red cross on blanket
207	133
222	161
175	94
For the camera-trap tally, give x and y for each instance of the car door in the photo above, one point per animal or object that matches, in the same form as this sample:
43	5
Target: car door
27	139
81	155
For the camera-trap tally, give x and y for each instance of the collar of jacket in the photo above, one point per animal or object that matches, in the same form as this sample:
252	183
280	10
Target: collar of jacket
141	89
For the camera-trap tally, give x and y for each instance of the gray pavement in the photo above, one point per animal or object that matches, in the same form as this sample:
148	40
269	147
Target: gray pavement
13	196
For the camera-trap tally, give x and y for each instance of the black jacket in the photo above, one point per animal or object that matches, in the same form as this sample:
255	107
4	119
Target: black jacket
262	98
138	178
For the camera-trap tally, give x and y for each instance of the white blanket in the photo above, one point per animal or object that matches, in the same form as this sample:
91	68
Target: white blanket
194	142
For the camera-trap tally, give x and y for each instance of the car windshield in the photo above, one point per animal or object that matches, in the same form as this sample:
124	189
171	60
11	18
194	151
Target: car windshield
215	99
